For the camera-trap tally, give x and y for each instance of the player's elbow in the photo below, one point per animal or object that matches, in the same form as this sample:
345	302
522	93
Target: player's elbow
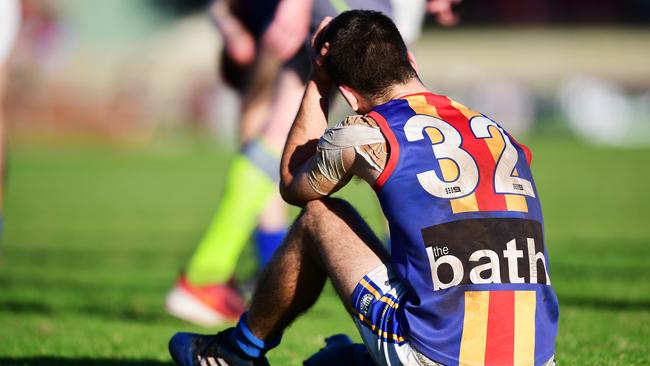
291	196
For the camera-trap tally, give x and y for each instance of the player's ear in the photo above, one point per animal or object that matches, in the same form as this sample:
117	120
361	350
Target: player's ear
350	96
412	60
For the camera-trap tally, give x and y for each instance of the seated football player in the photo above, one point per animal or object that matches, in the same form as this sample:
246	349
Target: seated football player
466	281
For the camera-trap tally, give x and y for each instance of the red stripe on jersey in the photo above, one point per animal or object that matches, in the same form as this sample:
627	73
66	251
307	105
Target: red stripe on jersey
393	153
500	339
486	198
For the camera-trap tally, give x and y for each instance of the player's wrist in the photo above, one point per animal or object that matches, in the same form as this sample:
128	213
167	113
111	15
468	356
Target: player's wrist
321	81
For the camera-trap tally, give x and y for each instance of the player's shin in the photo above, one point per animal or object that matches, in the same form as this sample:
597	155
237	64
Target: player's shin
250	182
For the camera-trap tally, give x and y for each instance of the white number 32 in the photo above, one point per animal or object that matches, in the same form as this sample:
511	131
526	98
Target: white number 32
462	172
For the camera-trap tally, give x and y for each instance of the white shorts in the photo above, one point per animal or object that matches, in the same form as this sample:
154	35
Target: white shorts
9	25
375	301
409	17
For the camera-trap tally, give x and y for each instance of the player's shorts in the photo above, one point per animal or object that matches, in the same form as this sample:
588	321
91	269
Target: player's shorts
375	301
9	24
254	14
332	8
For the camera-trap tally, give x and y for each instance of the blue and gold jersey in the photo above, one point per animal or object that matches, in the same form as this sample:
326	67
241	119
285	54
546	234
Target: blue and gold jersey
466	234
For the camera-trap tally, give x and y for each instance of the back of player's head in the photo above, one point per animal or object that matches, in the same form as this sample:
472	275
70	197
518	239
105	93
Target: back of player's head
367	52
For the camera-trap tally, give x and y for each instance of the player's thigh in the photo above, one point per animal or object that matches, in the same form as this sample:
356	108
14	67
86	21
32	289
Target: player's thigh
257	97
345	244
287	94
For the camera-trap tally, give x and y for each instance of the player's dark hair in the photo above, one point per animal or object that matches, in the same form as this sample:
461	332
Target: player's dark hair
367	52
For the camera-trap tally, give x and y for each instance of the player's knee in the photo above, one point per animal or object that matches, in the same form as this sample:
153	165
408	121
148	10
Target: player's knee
319	212
310	213
318	208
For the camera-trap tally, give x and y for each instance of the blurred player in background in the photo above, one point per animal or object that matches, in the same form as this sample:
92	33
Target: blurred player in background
9	25
206	293
266	59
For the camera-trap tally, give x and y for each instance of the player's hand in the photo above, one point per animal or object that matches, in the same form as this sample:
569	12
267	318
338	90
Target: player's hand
444	12
238	42
289	28
319	73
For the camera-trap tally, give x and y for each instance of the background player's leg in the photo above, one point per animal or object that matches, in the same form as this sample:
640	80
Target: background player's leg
251	183
271	229
287	96
328	239
257	96
204	294
256	105
252	180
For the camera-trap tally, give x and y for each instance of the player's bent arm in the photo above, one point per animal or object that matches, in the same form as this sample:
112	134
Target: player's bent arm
317	178
303	137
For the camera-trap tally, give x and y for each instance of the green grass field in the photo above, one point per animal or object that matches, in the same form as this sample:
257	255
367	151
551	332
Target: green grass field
95	236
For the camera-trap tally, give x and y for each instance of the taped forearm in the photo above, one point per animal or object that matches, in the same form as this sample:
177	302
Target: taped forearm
329	167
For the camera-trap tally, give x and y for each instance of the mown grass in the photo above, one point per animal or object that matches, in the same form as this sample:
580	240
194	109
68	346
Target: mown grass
95	236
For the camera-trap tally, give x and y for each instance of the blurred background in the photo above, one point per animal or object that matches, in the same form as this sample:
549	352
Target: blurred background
137	71
119	131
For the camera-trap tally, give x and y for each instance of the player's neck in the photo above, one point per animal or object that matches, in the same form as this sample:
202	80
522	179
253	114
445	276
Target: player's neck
413	86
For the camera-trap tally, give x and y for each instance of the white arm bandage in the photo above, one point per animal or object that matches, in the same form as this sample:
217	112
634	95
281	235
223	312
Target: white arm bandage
329	162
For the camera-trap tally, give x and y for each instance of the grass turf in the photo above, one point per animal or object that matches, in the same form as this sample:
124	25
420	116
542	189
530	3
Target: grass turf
95	236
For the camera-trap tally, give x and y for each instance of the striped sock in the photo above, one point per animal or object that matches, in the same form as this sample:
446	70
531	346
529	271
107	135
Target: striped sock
248	343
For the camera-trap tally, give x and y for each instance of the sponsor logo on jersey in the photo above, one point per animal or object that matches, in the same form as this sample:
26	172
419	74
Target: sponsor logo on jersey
486	251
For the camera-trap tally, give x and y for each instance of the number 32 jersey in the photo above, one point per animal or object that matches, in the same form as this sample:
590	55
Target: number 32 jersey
466	236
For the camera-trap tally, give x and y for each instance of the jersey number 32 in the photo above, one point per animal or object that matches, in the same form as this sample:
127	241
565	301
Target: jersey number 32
446	143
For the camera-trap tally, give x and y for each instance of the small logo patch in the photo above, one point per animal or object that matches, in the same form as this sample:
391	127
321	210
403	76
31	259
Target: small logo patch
454	189
364	303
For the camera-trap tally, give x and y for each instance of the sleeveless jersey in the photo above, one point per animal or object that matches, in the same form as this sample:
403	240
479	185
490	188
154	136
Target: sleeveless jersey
466	236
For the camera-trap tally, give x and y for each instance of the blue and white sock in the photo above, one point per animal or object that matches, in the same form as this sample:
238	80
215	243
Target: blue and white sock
248	343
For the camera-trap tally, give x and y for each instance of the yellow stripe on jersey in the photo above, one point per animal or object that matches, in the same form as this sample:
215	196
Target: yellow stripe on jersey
377	295
449	169
464	204
380	332
496	145
515	202
524	348
419	105
468	113
472	345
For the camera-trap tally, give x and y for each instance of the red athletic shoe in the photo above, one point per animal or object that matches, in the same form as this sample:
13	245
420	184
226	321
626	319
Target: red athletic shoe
207	306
